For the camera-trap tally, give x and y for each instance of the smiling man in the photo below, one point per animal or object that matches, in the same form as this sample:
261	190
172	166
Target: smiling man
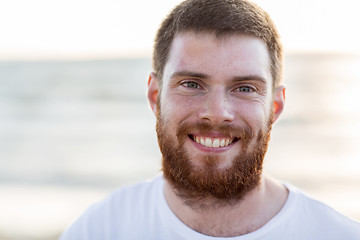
216	92
214	128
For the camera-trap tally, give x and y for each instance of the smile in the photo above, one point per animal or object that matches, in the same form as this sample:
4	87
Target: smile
213	142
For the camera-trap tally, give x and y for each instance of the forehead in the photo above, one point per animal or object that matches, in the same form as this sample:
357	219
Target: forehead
225	57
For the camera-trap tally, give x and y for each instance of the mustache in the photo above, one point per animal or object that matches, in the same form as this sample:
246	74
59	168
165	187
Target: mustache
243	132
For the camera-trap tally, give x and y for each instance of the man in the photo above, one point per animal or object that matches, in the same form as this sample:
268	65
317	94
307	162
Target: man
216	91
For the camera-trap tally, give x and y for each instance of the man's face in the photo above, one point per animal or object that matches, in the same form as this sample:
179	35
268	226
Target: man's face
214	114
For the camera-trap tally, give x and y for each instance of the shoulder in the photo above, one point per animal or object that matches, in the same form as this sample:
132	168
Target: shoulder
133	195
117	212
129	197
321	218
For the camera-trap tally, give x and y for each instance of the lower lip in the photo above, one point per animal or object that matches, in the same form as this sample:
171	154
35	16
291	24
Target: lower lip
210	149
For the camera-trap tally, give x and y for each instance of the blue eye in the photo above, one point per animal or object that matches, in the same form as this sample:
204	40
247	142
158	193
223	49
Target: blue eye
245	89
191	85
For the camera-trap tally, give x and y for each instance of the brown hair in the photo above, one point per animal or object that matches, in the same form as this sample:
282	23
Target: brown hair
223	17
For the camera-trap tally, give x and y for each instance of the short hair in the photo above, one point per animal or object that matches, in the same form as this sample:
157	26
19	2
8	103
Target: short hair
222	17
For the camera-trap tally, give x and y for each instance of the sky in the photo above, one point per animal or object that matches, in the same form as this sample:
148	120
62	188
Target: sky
58	29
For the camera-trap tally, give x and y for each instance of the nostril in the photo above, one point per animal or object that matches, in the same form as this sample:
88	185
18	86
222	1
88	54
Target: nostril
217	112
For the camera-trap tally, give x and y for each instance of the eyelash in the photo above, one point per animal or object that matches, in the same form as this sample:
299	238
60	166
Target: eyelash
186	84
248	89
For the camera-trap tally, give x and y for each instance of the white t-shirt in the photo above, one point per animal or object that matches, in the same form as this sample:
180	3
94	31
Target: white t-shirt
141	212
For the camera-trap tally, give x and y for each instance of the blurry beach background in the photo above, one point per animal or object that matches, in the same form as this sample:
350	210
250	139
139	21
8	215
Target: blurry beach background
75	124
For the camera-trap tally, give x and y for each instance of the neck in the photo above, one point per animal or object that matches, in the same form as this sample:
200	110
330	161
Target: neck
229	218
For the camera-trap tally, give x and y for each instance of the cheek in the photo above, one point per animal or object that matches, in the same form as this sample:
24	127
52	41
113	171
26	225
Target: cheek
255	114
177	108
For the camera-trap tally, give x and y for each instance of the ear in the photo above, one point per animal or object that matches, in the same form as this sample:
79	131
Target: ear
279	102
153	91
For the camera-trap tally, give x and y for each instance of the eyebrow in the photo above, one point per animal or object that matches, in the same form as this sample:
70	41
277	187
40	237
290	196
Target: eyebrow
205	76
188	74
248	78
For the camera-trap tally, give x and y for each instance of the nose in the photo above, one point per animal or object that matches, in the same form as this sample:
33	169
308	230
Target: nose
217	108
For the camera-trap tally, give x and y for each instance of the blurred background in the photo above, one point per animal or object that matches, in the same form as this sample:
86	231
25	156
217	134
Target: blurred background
75	124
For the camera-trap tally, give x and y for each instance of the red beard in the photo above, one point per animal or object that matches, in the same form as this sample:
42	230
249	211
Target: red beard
209	181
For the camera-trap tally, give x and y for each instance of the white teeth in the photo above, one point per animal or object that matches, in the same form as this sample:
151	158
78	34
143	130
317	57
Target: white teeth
215	143
208	142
